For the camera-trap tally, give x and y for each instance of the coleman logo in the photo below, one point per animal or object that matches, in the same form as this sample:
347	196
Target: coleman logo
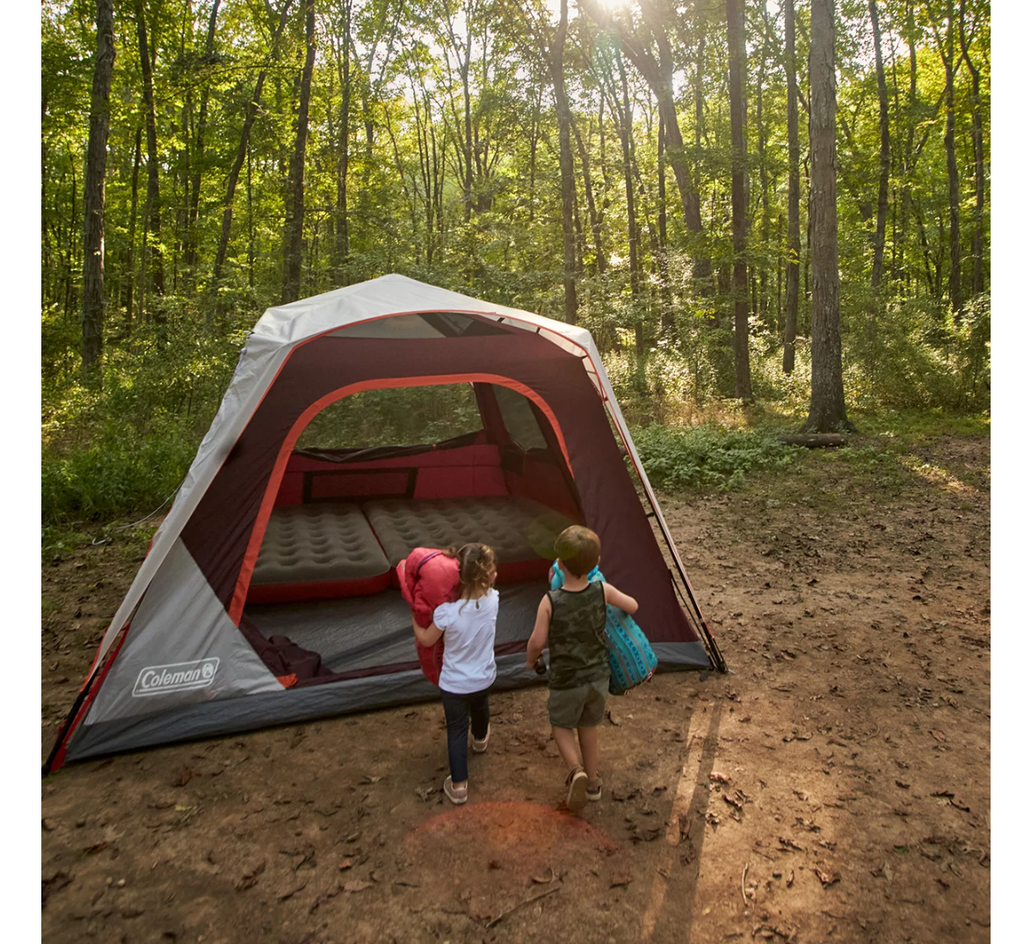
182	676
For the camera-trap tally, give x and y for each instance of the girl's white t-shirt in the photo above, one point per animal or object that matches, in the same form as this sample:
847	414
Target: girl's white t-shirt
468	627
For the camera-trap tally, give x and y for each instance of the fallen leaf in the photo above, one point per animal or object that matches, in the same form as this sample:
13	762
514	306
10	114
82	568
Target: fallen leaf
620	879
344	864
544	879
883	872
826	878
902	785
357	886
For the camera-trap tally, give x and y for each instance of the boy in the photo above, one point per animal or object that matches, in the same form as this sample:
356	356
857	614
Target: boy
570	622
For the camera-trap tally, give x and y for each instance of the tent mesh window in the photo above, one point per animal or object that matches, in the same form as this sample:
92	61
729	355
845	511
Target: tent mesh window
402	416
519	419
431	324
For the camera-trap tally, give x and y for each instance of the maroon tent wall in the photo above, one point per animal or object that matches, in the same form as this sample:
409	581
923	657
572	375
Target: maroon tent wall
219	531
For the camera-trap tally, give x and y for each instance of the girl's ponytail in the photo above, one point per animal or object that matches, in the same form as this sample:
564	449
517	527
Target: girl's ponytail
476	569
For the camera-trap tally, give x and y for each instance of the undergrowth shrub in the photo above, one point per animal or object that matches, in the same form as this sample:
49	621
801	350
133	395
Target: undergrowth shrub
120	471
708	457
123	447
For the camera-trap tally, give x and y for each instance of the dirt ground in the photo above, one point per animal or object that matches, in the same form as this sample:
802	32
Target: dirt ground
833	786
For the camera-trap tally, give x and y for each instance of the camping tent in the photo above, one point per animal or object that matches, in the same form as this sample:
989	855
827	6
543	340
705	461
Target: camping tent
269	593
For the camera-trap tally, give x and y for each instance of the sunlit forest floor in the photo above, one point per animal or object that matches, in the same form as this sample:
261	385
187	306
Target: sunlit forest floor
834	785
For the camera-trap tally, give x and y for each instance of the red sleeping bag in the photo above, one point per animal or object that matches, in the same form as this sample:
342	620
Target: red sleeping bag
428	578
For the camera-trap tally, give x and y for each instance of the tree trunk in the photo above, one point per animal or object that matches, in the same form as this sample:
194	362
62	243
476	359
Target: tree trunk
625	124
663	278
199	154
341	248
828	405
793	253
883	132
295	202
588	189
565	165
129	309
468	141
152	248
956	300
978	142
93	296
738	128
762	308
910	121
945	47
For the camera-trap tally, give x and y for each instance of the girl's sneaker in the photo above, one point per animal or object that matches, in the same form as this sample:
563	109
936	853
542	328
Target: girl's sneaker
480	746
594	793
458	795
577	783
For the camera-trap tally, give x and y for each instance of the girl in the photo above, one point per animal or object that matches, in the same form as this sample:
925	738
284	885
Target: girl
469	669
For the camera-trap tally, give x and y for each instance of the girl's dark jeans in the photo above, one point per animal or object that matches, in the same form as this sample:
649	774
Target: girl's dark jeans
460	713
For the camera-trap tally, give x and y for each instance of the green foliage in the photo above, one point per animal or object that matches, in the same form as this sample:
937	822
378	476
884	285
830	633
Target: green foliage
124	447
118	446
120	471
708	457
916	354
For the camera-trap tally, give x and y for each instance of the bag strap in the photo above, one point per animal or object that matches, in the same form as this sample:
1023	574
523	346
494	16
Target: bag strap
419	566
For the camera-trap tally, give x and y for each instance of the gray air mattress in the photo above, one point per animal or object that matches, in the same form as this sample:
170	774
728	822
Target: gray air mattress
518	529
328	541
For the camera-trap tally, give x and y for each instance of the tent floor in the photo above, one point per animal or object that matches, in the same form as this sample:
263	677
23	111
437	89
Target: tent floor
363	632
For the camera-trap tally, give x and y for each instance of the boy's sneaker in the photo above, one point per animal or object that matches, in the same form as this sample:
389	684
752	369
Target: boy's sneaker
480	746
577	783
593	793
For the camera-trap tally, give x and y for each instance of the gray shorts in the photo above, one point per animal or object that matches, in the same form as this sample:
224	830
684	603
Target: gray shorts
578	707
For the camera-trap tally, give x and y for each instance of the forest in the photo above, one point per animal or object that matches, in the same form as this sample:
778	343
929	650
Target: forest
767	212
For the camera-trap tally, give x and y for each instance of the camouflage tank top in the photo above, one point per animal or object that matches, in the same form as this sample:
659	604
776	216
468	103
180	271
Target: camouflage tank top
577	644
